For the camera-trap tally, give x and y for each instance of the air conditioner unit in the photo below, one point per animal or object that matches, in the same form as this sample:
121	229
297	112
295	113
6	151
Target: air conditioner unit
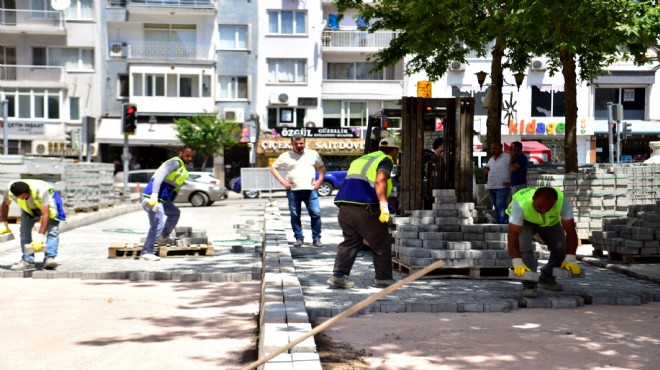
457	66
279	98
539	65
40	147
117	50
235	114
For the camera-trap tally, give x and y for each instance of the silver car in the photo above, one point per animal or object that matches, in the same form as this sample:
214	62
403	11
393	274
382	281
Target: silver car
197	193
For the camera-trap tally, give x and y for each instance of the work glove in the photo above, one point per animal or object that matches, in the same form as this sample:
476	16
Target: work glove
5	229
153	200
519	267
36	245
570	264
384	212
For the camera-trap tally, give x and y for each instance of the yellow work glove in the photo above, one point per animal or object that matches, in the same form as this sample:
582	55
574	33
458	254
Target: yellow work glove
5	229
37	246
153	200
519	267
570	264
384	212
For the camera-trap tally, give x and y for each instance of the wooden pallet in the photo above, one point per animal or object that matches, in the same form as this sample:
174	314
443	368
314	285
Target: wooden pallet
124	250
194	250
458	272
632	258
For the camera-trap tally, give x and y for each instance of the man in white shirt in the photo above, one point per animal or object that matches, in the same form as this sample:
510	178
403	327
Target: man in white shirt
499	181
301	166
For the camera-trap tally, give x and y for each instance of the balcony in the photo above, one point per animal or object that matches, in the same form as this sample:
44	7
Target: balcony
31	76
32	21
351	41
161	51
362	89
171	6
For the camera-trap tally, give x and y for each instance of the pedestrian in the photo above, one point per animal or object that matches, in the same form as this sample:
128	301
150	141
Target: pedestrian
542	210
498	181
364	214
300	166
518	167
158	198
38	201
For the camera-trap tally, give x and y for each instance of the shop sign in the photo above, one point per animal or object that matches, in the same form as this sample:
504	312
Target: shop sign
313	132
323	146
25	128
548	128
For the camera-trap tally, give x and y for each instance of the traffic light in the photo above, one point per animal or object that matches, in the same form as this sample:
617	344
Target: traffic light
432	116
626	130
128	118
613	128
69	139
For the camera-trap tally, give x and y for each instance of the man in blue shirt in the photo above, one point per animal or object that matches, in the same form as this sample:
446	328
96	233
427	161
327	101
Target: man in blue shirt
518	167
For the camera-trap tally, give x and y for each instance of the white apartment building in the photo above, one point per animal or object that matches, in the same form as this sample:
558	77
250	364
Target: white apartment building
49	72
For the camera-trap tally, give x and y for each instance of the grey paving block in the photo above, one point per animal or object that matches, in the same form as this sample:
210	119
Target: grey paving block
529	276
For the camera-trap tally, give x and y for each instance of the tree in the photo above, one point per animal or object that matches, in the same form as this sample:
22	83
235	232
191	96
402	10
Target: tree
207	134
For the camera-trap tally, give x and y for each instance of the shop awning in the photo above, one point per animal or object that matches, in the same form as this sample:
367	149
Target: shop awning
160	134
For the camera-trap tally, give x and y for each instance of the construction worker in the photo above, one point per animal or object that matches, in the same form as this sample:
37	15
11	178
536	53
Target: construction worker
542	210
38	201
158	197
364	214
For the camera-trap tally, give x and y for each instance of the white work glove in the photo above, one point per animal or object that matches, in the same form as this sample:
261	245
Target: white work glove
384	212
5	229
570	264
519	267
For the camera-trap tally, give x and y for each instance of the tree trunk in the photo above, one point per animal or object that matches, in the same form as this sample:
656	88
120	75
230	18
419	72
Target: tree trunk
570	103
493	124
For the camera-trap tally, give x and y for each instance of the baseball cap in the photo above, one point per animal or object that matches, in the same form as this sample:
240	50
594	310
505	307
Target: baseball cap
388	142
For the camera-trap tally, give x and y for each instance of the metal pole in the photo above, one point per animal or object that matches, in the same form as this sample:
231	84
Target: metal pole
5	127
618	141
80	143
610	134
126	157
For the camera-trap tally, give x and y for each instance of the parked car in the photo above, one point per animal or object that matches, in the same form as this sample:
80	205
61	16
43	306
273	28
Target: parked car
198	193
205	177
331	181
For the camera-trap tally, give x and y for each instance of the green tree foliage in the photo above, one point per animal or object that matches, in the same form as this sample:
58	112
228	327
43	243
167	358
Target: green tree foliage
207	134
580	38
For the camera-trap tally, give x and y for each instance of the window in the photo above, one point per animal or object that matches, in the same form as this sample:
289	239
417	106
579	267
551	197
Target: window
547	101
287	22
633	100
359	71
232	88
286	117
478	95
33	104
169	85
169	40
122	80
233	37
74	108
73	59
39	57
155	85
287	70
79	9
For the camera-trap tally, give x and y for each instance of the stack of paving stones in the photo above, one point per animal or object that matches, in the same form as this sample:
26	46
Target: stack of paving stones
447	232
283	317
630	238
602	191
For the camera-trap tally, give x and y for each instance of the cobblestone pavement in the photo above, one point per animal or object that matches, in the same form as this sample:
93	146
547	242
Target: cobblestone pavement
602	285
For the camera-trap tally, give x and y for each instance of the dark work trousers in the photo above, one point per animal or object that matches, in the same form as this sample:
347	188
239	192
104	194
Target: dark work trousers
360	222
554	237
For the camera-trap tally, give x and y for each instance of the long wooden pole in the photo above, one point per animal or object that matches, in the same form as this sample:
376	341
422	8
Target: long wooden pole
348	312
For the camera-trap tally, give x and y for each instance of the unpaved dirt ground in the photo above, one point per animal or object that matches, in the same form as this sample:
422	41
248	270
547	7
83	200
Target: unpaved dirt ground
107	324
593	337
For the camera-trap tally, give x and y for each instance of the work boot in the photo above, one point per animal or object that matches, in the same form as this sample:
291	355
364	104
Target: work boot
529	291
550	284
50	264
22	265
298	243
340	282
317	243
383	283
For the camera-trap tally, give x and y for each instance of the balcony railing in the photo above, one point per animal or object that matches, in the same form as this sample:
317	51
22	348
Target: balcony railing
363	87
19	73
31	18
173	3
358	39
167	50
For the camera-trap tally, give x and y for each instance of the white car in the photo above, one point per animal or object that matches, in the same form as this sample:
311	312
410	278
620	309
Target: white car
205	177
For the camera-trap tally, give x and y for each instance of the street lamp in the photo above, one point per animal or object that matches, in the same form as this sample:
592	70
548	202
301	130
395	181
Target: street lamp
481	78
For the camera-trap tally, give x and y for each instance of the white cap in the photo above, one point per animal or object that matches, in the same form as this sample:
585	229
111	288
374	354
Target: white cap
388	142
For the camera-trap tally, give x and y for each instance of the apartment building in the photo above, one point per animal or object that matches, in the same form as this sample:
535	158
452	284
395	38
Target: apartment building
49	72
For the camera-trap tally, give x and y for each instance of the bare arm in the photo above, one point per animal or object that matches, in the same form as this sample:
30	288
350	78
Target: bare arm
4	212
319	181
381	185
286	183
571	236
513	239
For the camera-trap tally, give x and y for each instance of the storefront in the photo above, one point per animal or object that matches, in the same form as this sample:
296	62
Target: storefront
337	146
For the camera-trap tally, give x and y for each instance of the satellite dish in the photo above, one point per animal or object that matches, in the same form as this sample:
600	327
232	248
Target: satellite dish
60	4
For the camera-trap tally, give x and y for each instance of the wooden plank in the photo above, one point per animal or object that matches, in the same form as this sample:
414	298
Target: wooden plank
459	272
192	251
